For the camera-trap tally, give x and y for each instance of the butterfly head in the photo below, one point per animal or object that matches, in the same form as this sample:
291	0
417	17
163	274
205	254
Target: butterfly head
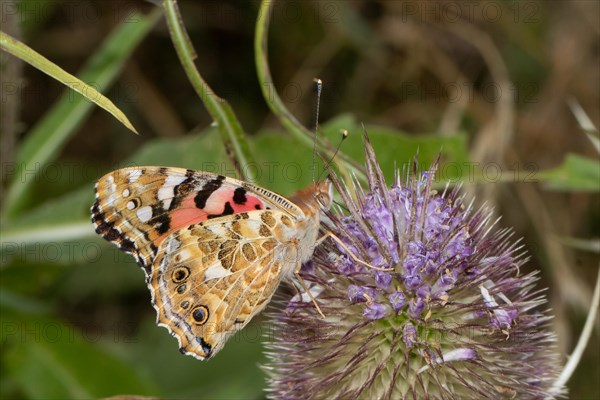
324	193
315	197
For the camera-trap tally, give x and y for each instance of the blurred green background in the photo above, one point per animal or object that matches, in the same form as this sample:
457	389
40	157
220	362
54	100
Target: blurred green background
493	84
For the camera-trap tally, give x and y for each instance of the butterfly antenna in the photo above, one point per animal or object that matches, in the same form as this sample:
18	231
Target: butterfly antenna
319	87
344	133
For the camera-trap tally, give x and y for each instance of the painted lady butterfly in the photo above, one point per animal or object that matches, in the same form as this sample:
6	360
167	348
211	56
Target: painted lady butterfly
214	249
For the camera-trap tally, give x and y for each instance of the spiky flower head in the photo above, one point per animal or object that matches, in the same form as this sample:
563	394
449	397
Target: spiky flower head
442	313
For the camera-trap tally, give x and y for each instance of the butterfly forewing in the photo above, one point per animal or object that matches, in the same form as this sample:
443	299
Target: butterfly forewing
137	208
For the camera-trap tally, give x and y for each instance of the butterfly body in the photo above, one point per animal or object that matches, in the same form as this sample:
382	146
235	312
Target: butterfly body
214	249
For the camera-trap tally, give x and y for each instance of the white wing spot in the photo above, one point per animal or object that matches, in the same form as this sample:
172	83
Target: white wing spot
134	175
167	192
110	183
144	213
111	199
130	205
172	245
166	195
126	193
184	254
215	271
173	180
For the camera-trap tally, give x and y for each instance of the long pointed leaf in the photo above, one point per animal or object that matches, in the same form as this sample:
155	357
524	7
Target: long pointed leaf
33	58
48	137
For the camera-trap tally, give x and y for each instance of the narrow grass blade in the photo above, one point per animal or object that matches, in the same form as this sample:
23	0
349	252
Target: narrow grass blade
30	56
60	123
585	123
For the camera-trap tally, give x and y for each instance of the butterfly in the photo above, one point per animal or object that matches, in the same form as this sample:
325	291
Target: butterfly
213	249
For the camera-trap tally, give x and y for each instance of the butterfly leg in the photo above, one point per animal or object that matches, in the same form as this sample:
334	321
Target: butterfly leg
339	241
298	292
301	282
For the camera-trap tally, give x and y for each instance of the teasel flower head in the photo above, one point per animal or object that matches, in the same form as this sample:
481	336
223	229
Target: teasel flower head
443	311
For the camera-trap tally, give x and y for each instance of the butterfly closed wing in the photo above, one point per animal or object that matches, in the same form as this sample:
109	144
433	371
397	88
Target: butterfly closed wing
214	249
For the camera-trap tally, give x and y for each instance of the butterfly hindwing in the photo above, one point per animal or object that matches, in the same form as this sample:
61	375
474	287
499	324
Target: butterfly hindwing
138	207
209	279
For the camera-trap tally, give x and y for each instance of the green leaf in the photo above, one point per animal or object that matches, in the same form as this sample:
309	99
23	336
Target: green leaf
576	173
187	378
50	359
50	134
57	221
395	148
30	56
16	301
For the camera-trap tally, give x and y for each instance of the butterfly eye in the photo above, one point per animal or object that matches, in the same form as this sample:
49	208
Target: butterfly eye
323	199
200	315
181	274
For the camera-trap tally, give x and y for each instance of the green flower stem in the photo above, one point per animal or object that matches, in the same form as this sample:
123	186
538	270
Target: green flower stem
229	127
274	101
